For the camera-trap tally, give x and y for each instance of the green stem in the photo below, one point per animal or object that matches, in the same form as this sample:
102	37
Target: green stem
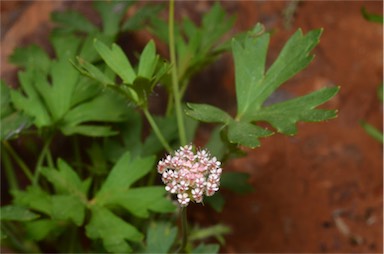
39	163
19	161
184	230
170	102
9	172
157	130
175	85
15	241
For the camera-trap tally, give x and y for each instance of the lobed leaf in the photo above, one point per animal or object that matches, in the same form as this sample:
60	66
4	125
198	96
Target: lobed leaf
246	134
137	21
207	113
112	230
294	57
284	115
65	207
12	122
148	61
42	229
116	60
249	58
160	237
111	13
31	57
88	130
206	248
31	104
65	180
125	172
93	72
74	21
140	200
34	198
17	213
98	109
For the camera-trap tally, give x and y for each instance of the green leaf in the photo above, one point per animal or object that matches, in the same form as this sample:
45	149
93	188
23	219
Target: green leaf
196	47
65	46
148	60
249	68
371	17
99	109
5	100
85	90
17	213
42	229
253	87
372	131
116	60
93	72
215	24
34	198
216	231
137	21
88	130
65	180
293	58
74	21
207	113
112	230
216	201
140	200
31	104
66	207
160	237
284	115
12	122
58	95
206	248
236	182
111	13
31	57
215	145
246	134
125	172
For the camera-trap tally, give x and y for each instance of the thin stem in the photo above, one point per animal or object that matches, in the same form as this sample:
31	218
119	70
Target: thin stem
16	242
9	172
40	160
157	130
175	85
184	230
19	161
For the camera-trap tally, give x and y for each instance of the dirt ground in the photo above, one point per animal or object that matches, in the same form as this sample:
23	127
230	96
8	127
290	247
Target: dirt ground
319	191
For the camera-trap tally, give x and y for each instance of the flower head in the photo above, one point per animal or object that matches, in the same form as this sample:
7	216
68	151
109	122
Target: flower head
190	175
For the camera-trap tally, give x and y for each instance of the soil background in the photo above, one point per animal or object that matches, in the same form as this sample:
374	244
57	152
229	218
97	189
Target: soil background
318	191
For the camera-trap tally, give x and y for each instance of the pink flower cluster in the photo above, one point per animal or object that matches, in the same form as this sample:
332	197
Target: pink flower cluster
190	175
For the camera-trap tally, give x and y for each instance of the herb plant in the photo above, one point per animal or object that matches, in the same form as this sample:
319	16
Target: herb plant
104	193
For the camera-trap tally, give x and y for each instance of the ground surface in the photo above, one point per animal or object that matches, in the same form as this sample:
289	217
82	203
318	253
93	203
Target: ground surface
319	191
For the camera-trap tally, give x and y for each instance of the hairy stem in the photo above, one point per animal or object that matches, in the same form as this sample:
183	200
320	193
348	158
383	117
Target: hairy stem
175	85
